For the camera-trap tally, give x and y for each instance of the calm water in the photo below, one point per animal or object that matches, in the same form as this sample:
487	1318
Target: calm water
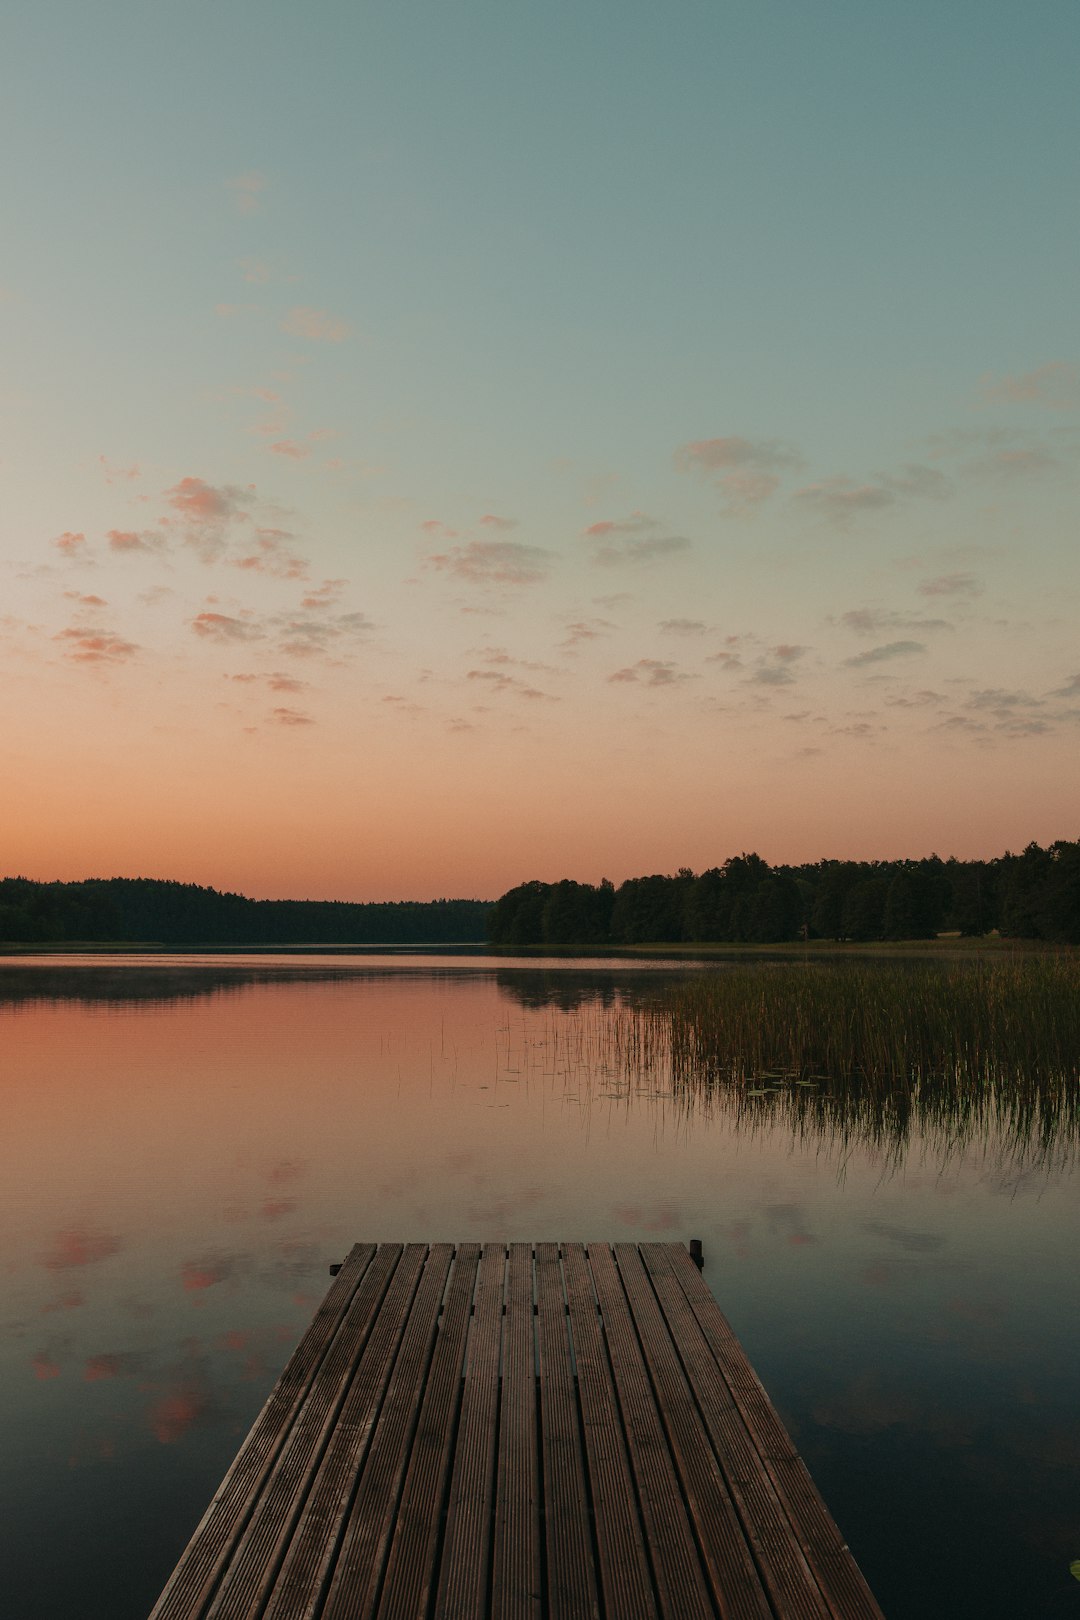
187	1146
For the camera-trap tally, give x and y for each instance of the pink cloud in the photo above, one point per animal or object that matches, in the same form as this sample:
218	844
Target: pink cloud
199	502
494	562
290	449
636	523
316	324
273	556
255	271
222	627
92	646
490	520
292	717
652	671
44	1366
72	545
129	540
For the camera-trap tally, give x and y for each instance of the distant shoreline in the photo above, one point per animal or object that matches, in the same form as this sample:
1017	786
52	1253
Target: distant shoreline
945	944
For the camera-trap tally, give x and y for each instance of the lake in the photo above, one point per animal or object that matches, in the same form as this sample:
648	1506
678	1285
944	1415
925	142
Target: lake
189	1143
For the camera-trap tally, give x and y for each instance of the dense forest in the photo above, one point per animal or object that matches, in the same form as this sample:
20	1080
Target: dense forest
1034	895
145	910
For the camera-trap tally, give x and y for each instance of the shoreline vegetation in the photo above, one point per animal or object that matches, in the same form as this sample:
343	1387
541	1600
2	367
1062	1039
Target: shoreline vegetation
745	903
978	1051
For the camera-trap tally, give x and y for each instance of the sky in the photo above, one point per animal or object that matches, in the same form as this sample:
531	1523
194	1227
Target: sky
445	445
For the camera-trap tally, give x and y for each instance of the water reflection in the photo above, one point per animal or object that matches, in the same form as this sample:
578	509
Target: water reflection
183	1155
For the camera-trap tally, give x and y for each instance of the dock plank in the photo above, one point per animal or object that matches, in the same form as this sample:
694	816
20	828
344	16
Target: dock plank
462	1593
196	1575
518	1432
729	1562
515	1577
622	1564
571	1580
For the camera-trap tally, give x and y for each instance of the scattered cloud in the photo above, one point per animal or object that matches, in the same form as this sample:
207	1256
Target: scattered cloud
498	681
129	540
316	324
841	500
306	636
652	672
255	271
206	511
772	675
494	562
1055	386
70	544
273	555
276	680
747	471
586	630
683	627
88	645
636	523
491	520
291	717
247	190
320	596
291	449
646	550
1071	689
955	585
884	653
872	621
222	627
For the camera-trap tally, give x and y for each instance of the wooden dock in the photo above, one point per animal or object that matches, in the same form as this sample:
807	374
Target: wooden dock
522	1431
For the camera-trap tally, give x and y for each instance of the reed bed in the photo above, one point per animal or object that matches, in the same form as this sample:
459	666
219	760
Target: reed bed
872	1050
945	1054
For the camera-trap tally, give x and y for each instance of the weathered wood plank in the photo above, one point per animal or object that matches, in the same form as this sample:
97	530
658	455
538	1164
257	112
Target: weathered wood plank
608	1453
362	1514
328	1412
624	1575
515	1576
842	1580
677	1568
729	1563
571	1581
196	1576
412	1567
466	1559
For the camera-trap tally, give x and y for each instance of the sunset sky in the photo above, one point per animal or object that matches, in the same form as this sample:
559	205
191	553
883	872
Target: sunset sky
446	444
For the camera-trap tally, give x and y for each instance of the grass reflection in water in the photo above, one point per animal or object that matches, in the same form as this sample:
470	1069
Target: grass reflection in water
957	1053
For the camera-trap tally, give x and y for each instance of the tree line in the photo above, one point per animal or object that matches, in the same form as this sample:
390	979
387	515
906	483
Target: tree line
148	910
1033	895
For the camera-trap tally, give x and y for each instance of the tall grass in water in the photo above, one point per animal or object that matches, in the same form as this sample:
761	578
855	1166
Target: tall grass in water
871	1051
